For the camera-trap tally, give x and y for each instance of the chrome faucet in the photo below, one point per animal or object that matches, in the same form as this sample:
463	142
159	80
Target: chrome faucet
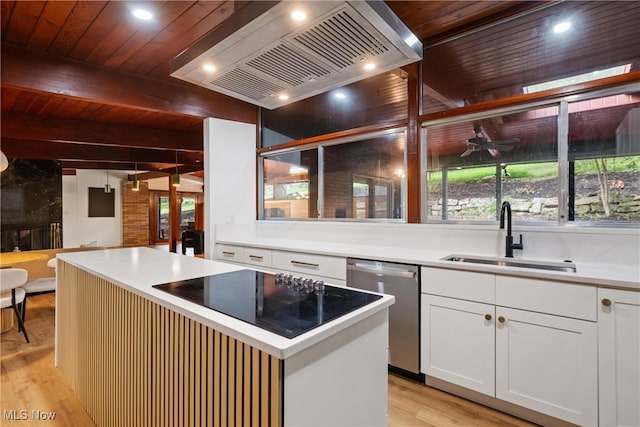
509	245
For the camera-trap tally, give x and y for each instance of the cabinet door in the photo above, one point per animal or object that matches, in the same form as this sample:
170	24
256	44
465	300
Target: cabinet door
548	364
229	253
458	342
619	357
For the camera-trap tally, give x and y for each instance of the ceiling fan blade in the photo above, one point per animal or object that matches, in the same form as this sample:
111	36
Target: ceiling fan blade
467	152
494	153
496	146
507	141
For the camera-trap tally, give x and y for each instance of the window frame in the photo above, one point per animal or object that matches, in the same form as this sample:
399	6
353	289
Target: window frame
355	136
565	175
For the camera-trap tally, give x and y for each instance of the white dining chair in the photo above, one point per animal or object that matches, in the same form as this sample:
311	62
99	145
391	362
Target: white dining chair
11	294
39	286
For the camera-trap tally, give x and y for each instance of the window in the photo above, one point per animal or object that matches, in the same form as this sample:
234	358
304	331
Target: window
590	152
377	99
360	178
473	166
290	188
604	158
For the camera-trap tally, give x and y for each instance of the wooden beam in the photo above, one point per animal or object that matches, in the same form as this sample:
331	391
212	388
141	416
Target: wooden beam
33	149
30	126
41	72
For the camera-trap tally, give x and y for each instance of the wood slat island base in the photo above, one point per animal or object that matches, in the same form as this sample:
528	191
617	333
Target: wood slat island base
137	356
134	362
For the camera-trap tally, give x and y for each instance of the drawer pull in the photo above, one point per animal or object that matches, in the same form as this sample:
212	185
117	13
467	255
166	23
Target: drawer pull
501	319
606	302
228	253
487	316
256	257
304	264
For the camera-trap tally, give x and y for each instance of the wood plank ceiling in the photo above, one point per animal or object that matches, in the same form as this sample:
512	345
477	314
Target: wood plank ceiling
85	83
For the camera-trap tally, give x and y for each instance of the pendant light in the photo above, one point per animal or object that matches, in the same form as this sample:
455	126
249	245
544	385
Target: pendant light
176	176
136	184
107	187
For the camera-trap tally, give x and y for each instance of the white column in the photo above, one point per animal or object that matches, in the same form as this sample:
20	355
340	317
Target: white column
229	176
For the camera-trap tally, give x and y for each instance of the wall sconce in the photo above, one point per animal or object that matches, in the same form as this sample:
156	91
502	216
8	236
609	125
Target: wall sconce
176	176
136	183
107	187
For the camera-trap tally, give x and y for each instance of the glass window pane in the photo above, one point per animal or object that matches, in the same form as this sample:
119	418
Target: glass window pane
604	146
187	213
291	185
163	218
365	179
509	58
474	166
378	99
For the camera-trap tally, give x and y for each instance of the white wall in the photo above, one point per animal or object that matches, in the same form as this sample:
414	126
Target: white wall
77	227
230	176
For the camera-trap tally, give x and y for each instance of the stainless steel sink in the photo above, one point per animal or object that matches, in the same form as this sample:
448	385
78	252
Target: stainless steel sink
568	267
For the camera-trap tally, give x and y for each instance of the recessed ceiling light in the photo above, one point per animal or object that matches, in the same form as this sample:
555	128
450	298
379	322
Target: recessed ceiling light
209	68
142	14
298	15
283	97
562	27
369	66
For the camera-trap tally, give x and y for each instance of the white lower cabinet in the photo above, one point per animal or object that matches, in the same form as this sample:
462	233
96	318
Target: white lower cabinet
517	345
548	364
461	342
619	357
331	269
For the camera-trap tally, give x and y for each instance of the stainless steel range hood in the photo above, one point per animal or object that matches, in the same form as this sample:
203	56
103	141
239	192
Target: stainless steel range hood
262	56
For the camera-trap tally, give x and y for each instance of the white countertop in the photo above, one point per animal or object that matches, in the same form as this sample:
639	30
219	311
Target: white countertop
139	269
620	276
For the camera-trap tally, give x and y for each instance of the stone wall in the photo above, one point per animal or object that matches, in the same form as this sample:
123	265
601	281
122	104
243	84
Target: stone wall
622	206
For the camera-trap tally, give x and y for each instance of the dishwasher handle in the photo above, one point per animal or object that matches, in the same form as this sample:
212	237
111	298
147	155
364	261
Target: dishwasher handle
363	268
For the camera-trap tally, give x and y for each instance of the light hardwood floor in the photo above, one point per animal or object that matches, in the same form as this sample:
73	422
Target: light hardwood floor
30	382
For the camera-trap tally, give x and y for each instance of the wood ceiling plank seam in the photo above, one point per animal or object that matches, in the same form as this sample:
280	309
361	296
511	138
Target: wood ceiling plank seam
193	34
6	13
49	25
24	20
50	106
37	104
105	29
179	35
76	24
135	44
9	98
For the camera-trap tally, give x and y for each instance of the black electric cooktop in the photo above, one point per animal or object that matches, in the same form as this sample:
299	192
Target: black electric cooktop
286	305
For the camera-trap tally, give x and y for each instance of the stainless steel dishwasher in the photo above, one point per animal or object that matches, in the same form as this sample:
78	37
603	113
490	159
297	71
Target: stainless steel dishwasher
403	282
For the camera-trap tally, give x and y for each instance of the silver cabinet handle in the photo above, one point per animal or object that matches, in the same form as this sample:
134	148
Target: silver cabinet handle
256	257
228	253
304	264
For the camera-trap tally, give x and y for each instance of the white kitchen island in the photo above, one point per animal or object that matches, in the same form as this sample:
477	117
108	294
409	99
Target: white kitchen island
136	355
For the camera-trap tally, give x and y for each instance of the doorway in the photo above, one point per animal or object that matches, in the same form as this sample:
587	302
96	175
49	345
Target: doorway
191	211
